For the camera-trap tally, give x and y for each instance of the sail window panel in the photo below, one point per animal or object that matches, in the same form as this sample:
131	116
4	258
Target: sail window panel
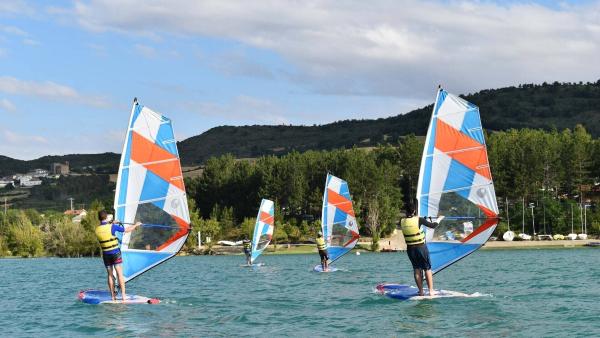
158	227
462	217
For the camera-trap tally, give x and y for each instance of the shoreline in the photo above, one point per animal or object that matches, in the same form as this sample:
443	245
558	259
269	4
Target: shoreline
554	244
299	249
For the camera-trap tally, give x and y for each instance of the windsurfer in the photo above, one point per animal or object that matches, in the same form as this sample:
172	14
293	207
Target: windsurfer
247	250
417	249
322	251
111	253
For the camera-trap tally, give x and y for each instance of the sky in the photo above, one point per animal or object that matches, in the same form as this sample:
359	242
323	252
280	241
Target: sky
69	70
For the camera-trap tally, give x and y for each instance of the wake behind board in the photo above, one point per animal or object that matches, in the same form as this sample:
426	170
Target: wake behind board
408	292
252	265
103	297
319	268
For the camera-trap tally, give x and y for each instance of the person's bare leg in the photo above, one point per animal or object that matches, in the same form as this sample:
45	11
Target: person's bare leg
326	265
429	277
419	280
111	282
119	269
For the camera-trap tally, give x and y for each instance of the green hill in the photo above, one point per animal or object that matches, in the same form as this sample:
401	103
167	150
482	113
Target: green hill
546	106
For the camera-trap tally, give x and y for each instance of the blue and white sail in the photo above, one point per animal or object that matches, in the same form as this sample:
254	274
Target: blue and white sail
263	229
455	181
150	190
338	222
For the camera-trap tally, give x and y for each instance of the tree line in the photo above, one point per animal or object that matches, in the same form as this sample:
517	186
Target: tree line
555	172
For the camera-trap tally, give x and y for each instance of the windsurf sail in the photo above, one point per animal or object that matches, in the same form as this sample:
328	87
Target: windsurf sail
338	221
263	229
455	181
150	190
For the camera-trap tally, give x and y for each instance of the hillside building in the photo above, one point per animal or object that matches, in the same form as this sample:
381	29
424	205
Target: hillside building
60	168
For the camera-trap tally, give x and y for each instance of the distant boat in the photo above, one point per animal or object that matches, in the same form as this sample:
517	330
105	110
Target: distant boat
338	221
455	181
523	236
263	229
509	235
572	236
229	243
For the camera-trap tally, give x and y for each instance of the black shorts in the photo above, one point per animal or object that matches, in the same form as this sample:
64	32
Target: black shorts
112	259
247	252
419	256
323	255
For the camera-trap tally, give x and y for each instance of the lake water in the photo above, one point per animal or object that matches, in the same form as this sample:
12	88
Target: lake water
541	293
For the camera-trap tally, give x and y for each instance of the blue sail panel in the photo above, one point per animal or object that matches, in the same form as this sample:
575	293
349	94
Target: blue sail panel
443	254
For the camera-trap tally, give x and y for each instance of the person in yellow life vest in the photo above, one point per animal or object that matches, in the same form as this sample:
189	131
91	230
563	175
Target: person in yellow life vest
322	247
111	252
247	250
416	248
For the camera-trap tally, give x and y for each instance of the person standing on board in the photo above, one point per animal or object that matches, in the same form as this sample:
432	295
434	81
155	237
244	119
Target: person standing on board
416	248
247	250
322	247
111	253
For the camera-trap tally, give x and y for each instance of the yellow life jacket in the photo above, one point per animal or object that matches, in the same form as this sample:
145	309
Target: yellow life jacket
321	243
247	245
107	241
411	231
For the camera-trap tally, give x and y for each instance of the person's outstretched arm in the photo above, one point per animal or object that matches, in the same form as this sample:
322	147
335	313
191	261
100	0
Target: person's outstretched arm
426	221
132	227
120	228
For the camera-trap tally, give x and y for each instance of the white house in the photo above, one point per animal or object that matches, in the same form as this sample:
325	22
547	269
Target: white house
30	183
39	173
5	183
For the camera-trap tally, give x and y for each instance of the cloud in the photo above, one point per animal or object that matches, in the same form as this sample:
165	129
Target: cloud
238	63
15	7
242	109
48	90
8	106
145	51
13	30
14	138
397	48
31	42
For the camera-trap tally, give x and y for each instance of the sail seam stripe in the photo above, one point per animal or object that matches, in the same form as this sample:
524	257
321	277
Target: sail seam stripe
457	151
150	163
458	189
150	200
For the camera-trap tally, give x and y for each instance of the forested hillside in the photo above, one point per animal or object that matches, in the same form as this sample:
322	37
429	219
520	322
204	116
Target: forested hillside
546	106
